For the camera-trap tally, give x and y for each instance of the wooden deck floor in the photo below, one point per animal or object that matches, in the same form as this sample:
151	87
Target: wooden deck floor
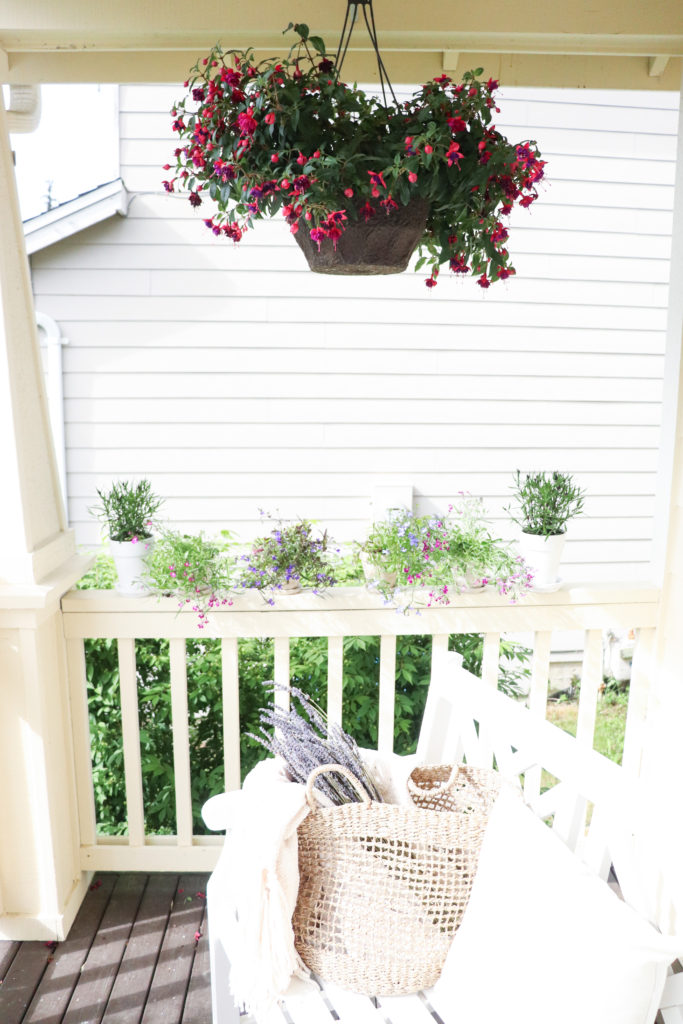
137	953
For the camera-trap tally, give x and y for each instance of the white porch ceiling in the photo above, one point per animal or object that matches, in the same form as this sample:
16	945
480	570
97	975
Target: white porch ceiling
574	43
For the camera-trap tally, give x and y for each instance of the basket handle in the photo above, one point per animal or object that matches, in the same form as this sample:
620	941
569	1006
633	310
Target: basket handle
310	799
443	787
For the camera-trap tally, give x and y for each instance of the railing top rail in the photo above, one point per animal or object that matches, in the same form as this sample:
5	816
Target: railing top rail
348	611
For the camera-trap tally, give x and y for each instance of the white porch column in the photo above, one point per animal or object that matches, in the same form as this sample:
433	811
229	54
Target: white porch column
662	765
41	882
33	535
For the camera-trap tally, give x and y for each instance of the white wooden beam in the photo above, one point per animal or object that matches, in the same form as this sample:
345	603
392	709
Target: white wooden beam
656	66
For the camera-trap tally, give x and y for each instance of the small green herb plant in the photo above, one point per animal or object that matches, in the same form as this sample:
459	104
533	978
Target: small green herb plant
128	510
199	572
292	553
545	502
476	557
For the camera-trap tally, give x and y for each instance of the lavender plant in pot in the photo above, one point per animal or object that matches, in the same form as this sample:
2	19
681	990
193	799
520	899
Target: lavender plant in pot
544	503
128	510
287	135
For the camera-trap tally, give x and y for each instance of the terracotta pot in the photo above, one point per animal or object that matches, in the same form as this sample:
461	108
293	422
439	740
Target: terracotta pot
382	245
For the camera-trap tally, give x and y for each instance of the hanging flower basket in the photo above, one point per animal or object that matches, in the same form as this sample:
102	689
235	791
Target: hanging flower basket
288	136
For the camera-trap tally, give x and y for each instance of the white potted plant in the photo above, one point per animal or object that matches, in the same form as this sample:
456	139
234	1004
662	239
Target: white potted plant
545	502
128	512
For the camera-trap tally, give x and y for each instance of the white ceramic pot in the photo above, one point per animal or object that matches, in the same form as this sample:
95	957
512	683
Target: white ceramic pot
373	573
291	587
543	555
129	559
469	583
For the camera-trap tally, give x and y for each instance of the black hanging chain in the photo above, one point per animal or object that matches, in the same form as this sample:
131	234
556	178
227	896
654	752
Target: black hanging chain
345	38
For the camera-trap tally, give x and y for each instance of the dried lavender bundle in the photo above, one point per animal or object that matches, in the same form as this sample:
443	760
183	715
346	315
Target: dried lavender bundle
304	743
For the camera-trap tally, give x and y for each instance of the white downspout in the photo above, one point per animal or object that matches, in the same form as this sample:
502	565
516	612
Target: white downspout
55	393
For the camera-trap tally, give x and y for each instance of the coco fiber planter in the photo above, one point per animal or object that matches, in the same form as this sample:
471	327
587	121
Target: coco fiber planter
381	245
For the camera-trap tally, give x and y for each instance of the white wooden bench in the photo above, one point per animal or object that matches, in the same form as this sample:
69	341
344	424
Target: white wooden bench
465	720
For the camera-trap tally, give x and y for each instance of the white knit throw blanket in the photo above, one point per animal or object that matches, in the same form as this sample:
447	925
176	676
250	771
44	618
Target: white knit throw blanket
264	875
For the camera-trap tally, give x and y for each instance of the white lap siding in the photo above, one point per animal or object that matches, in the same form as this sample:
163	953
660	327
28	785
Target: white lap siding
237	380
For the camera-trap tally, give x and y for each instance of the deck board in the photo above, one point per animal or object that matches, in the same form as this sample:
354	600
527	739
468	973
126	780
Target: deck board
57	984
198	1002
166	1000
90	997
21	981
131	957
8	950
139	962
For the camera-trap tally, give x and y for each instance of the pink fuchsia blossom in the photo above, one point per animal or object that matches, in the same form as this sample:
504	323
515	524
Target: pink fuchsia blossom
270	117
453	154
246	121
412	177
367	211
377	181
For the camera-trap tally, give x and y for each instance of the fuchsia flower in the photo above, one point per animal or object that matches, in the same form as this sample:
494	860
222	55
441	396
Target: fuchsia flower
377	181
453	154
246	121
456	124
367	211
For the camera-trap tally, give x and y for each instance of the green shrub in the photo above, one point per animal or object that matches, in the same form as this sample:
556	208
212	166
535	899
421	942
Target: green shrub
308	670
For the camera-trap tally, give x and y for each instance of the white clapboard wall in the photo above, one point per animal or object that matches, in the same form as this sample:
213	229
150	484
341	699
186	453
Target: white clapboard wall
236	380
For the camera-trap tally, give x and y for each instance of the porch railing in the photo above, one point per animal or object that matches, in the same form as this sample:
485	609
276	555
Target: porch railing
345	612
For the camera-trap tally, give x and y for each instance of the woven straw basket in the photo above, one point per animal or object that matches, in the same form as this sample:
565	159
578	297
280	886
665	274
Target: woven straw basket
383	887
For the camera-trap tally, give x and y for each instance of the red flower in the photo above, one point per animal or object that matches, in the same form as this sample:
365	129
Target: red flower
456	124
483	281
412	177
246	122
453	154
367	212
270	117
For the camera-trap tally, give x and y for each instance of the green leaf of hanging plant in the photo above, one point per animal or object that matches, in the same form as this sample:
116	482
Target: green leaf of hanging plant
302	29
318	43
